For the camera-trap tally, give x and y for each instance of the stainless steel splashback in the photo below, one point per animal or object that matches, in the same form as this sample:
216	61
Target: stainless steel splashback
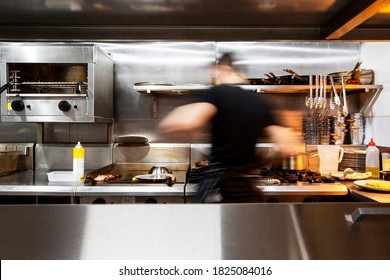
186	62
56	83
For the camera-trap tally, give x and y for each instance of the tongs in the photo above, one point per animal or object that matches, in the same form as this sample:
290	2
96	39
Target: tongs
336	96
345	107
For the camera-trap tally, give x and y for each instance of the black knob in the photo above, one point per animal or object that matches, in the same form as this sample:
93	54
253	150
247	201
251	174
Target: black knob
64	106
17	105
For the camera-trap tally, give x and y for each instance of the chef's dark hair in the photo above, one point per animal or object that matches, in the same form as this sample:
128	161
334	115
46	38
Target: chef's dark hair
226	59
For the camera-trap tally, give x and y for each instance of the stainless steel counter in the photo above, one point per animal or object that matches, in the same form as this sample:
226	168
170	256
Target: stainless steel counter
230	231
368	196
36	183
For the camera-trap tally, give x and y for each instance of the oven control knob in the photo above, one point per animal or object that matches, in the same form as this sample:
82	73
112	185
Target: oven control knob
17	105
64	106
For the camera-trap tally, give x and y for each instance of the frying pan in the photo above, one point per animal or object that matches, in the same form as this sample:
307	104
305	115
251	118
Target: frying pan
354	76
297	79
132	140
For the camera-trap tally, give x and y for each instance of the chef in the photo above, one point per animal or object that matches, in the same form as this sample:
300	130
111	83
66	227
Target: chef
238	118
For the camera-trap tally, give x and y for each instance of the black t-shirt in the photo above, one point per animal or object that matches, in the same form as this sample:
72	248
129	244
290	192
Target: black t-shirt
242	115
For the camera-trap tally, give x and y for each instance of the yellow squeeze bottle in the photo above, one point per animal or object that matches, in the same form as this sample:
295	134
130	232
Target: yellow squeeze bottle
78	161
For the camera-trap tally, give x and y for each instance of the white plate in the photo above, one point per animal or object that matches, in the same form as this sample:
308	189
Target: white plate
357	175
153	177
362	184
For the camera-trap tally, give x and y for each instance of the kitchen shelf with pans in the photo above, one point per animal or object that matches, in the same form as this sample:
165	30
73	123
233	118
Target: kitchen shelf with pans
156	89
275	89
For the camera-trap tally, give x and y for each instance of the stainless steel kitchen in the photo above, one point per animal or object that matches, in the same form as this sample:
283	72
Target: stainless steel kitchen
88	82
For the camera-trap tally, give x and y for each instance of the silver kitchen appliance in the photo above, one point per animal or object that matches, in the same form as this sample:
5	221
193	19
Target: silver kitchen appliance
56	83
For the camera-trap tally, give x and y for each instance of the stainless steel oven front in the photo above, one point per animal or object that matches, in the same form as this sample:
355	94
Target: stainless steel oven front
56	83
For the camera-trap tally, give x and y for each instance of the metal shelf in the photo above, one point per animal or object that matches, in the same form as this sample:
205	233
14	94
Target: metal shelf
275	89
156	90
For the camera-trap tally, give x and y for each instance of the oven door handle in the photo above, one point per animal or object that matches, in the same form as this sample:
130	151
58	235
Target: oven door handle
360	212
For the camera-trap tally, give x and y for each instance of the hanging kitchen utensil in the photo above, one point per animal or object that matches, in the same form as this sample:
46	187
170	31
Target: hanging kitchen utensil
321	89
336	96
332	105
307	99
317	89
345	106
311	101
325	89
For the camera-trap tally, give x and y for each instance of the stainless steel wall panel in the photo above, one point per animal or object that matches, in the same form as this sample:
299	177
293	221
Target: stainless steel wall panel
56	133
308	58
152	153
88	133
174	62
186	63
18	132
60	157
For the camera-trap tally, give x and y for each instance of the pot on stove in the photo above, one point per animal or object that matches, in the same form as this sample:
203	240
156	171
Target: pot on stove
295	161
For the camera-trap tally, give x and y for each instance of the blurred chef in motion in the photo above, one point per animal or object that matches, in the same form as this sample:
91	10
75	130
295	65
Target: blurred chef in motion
238	118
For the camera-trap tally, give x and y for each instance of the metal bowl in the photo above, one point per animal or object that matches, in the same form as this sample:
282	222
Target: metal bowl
160	170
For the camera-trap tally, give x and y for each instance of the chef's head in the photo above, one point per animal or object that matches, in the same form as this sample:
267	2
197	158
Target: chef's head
224	67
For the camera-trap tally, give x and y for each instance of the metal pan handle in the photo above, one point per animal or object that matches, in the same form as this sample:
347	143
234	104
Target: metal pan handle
359	213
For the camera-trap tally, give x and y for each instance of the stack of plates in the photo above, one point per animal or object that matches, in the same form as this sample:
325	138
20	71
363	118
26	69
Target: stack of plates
355	160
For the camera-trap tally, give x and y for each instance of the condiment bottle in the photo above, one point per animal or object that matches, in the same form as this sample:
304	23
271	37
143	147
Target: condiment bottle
372	159
78	161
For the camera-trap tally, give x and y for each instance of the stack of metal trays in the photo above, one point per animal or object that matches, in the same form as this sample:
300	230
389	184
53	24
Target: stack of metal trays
355	160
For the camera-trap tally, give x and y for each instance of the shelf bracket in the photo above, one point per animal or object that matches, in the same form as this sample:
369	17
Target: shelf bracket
155	106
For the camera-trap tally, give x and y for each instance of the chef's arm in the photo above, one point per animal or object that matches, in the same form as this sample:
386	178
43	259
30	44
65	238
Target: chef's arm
285	138
187	118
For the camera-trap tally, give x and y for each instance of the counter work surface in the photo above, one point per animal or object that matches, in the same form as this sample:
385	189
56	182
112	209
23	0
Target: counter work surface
36	183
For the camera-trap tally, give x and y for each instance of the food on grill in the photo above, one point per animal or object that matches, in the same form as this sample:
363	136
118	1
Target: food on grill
106	177
378	184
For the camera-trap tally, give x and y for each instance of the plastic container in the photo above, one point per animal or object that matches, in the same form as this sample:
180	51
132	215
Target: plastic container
62	176
78	161
372	159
